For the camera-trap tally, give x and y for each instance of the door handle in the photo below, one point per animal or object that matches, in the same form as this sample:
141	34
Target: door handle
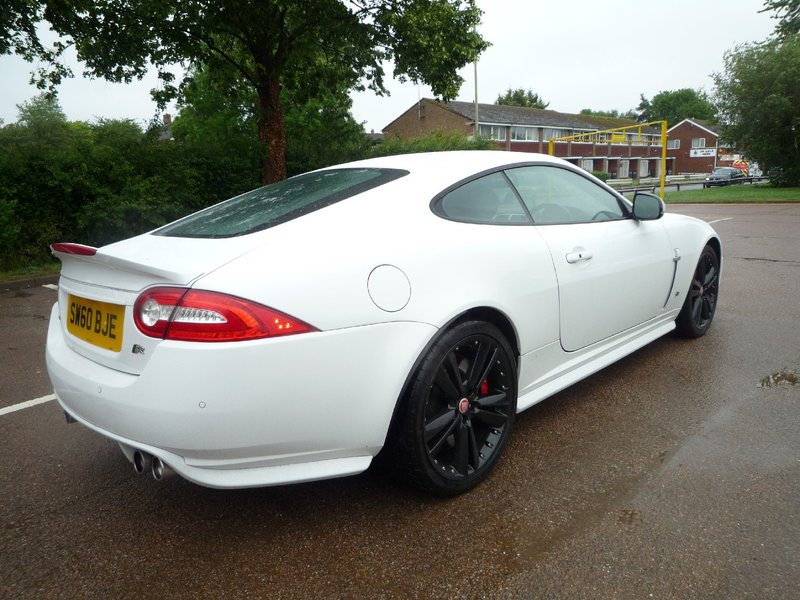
579	255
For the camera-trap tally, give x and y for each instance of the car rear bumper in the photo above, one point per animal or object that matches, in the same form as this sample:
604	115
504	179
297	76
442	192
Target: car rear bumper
247	414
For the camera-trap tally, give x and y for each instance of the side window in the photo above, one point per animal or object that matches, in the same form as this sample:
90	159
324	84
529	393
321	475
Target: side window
555	195
489	200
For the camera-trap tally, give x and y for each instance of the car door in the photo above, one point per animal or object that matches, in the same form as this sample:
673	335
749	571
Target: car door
613	271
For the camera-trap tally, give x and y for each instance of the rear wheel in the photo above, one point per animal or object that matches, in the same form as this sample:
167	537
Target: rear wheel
700	305
459	410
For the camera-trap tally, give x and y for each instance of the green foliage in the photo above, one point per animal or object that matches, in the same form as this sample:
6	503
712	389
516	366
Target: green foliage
787	12
435	142
321	133
18	20
35	146
520	97
428	40
675	106
314	47
219	111
18	35
601	175
612	114
97	183
10	228
758	95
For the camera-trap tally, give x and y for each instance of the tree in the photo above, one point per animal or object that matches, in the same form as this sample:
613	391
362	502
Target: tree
787	12
41	179
18	21
218	111
520	97
311	45
675	106
758	95
613	114
104	181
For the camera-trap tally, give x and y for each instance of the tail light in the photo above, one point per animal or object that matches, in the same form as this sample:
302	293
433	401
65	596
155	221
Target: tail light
202	316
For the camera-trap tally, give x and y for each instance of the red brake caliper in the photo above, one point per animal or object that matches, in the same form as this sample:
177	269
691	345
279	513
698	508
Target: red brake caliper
484	387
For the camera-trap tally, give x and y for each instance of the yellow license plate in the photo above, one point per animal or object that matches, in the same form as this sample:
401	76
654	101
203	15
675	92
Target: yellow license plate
99	323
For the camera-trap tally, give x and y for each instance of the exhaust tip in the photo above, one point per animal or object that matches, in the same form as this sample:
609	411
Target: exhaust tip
159	469
141	462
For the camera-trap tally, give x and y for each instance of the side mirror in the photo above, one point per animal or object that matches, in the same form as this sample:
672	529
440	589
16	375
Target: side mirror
647	207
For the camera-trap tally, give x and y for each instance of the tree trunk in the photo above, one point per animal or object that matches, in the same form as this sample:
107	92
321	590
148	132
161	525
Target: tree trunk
272	130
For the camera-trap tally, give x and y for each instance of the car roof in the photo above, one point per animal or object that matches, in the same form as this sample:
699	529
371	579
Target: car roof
453	165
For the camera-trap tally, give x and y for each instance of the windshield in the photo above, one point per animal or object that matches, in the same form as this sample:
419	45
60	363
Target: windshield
279	202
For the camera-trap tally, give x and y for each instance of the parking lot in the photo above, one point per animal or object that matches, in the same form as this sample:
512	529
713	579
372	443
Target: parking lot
674	473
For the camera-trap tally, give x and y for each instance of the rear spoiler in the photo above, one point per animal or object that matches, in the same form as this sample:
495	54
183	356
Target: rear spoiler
72	248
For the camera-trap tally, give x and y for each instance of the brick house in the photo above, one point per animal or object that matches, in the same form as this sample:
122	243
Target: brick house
520	129
693	146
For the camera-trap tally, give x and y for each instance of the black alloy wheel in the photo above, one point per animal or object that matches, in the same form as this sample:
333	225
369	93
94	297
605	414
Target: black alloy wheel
460	411
698	309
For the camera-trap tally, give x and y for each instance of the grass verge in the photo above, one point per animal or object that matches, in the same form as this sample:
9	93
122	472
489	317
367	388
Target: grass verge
29	272
758	192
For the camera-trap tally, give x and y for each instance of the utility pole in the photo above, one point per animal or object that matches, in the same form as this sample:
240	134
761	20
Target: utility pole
477	129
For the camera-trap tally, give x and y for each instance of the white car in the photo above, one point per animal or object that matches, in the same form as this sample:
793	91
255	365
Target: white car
408	303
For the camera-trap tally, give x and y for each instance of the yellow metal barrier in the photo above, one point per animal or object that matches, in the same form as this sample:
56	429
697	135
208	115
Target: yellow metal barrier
620	135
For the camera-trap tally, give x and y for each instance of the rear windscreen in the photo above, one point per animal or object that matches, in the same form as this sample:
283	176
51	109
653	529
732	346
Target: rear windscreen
279	202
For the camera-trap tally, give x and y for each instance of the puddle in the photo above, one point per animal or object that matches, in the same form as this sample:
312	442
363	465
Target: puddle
779	378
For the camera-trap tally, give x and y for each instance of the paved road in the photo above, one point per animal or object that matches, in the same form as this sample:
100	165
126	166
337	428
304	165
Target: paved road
674	474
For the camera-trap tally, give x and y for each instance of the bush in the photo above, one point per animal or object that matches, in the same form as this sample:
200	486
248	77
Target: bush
438	141
601	175
102	182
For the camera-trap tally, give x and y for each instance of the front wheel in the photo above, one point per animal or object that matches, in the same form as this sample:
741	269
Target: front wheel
459	410
698	309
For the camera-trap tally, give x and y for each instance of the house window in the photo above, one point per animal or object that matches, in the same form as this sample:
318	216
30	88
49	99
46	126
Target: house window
493	132
525	134
587	164
673	144
554	133
698	142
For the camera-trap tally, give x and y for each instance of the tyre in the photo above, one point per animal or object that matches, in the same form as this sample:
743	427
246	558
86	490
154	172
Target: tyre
698	309
459	410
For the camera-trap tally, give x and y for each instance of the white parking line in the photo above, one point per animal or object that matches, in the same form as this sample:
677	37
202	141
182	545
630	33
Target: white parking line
28	404
35	401
720	220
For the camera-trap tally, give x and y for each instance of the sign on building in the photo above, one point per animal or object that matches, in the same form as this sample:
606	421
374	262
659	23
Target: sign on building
702	152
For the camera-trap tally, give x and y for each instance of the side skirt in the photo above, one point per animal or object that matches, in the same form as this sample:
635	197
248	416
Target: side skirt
566	368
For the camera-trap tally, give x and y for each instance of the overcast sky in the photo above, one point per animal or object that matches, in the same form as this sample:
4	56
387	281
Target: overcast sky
574	53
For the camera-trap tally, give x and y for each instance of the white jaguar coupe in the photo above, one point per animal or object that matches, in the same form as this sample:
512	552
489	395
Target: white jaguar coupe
411	304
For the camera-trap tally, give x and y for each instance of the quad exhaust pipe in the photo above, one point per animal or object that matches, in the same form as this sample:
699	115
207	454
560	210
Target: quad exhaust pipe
143	462
160	470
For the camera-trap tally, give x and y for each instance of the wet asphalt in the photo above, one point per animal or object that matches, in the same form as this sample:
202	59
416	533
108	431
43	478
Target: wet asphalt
674	473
